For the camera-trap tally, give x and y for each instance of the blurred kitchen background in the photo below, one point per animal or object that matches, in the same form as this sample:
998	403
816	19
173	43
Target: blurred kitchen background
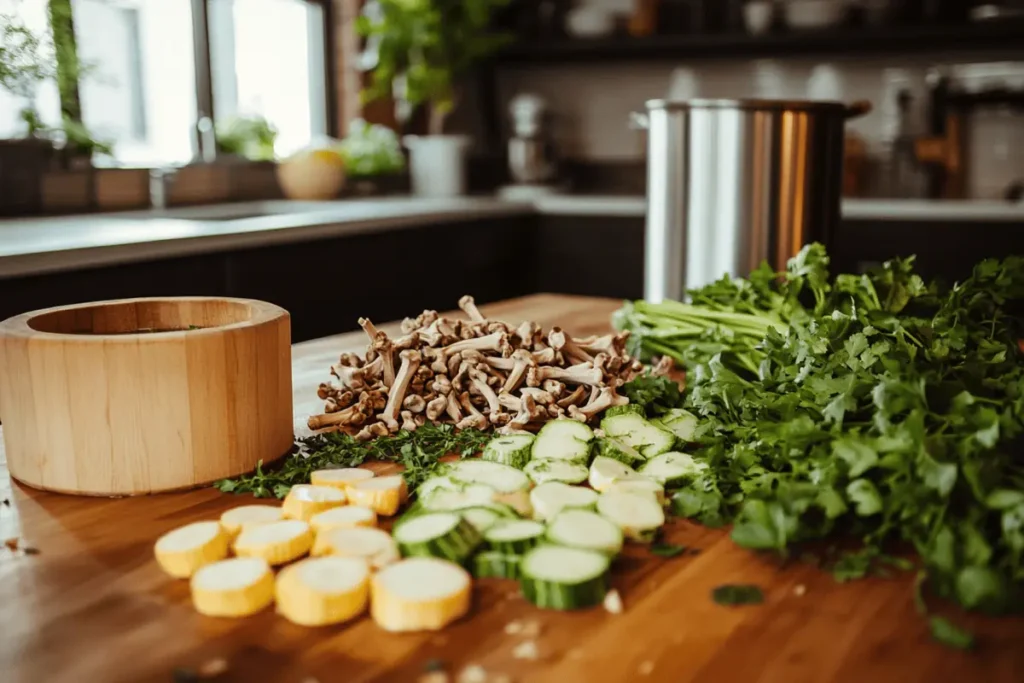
159	108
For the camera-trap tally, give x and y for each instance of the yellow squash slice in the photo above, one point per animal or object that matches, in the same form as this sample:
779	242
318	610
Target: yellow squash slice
340	478
373	546
233	588
323	590
304	501
277	542
383	495
419	594
184	550
235	519
343	518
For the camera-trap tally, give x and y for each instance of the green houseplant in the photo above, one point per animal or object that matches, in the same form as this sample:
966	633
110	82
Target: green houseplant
250	137
417	51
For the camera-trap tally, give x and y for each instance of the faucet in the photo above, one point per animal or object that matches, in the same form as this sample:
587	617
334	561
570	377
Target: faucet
160	179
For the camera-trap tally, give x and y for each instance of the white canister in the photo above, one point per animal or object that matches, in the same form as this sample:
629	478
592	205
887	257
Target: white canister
437	164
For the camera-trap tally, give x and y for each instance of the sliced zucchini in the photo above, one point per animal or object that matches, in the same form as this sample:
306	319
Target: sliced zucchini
551	498
438	482
638	515
641	485
491	564
481	518
585	529
473	495
619	450
439	534
673	469
627	409
637	432
563	440
604	472
551	469
514	537
501	478
512	450
680	422
557	577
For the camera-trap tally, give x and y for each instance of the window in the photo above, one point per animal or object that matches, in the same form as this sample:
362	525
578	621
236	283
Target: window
139	87
255	72
154	68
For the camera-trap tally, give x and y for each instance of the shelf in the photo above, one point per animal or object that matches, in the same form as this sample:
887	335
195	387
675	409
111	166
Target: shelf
1004	35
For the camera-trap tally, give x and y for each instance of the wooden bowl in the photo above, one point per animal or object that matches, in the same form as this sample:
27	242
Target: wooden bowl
144	395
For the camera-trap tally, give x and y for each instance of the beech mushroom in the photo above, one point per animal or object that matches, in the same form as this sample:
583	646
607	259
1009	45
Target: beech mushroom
410	363
353	415
575	398
560	341
372	431
553	387
664	366
479	381
584	373
384	348
414	403
452	407
441	384
521	362
436	408
468	305
605	399
538	395
350	360
496	341
408	424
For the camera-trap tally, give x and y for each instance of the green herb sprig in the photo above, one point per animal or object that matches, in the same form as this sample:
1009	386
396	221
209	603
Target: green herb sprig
872	407
418	452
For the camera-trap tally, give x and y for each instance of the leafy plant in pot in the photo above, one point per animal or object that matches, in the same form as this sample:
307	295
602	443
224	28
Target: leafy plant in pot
416	52
25	63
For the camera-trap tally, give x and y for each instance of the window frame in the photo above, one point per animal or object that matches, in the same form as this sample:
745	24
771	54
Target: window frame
204	65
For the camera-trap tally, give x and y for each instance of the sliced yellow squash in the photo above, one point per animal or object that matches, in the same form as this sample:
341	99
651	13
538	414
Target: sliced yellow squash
184	550
304	501
233	588
323	590
277	542
419	594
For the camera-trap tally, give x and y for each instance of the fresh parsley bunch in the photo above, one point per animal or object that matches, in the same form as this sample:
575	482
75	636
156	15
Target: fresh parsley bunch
872	406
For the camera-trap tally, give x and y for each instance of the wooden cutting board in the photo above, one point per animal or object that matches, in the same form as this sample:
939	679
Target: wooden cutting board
92	606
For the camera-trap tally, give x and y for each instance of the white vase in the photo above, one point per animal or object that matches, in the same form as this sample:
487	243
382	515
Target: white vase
437	164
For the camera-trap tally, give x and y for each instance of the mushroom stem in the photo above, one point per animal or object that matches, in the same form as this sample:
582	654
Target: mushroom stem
353	415
496	341
383	346
560	341
574	398
468	305
410	363
369	328
451	406
521	361
479	381
584	373
605	399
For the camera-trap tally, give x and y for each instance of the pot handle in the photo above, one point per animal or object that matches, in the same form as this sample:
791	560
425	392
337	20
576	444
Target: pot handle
858	108
638	121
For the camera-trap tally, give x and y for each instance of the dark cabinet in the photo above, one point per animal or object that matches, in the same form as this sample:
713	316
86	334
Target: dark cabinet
590	255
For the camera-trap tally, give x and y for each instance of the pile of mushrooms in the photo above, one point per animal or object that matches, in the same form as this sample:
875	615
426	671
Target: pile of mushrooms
474	373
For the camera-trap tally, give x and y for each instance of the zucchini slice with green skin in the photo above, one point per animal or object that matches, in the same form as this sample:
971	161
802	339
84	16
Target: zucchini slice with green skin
501	478
585	529
680	422
481	518
563	440
551	498
625	410
491	564
513	450
637	432
638	515
445	500
514	536
557	577
618	450
550	469
673	469
605	471
438	534
641	485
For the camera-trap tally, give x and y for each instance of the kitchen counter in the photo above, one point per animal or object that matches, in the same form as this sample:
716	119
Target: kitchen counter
34	246
93	606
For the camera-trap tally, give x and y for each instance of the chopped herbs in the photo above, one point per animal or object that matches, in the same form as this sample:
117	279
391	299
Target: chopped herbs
874	407
655	394
737	594
417	451
950	634
667	549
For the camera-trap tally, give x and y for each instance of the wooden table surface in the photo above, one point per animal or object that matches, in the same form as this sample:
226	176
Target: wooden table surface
93	607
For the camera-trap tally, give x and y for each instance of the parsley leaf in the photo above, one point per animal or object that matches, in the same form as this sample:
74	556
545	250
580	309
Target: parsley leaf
948	633
667	549
737	594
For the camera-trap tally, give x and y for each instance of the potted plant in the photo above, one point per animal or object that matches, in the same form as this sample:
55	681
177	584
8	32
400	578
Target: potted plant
247	137
25	64
371	152
416	52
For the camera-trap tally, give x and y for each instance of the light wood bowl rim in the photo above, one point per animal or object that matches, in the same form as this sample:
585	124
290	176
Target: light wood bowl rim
262	313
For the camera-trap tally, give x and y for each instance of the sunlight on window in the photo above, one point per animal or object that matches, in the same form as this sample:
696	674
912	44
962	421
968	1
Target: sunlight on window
267	59
140	87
